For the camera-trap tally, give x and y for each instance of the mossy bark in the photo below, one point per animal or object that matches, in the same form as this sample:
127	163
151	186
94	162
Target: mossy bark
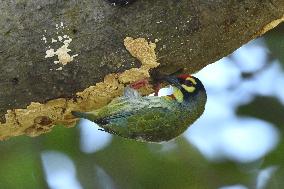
188	33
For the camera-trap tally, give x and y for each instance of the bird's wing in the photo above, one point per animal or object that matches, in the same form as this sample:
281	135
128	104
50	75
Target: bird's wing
121	107
111	118
132	107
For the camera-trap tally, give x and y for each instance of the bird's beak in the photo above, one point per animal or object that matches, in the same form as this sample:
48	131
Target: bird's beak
173	81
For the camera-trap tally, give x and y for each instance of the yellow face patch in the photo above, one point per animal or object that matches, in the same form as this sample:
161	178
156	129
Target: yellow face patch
178	95
192	80
188	89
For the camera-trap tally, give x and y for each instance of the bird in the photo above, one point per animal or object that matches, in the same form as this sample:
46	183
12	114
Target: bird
152	118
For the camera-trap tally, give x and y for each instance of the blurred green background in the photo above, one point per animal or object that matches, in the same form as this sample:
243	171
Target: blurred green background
237	144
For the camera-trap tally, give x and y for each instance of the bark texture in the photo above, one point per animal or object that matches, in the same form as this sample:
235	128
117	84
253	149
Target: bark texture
89	39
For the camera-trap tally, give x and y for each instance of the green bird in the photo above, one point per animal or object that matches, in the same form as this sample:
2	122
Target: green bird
152	118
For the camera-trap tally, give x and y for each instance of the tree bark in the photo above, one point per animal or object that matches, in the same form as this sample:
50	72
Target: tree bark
51	52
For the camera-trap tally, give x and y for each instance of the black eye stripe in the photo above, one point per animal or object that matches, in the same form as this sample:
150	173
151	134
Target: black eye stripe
188	83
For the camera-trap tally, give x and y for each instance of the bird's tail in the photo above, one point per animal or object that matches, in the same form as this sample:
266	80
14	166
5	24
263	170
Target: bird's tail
83	115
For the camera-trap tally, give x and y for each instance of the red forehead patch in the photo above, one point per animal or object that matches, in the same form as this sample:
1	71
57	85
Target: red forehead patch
183	76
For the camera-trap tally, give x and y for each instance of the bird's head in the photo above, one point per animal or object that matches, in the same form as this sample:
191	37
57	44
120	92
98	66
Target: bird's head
185	86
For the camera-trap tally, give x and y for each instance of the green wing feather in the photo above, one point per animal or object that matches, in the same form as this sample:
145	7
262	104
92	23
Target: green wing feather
123	106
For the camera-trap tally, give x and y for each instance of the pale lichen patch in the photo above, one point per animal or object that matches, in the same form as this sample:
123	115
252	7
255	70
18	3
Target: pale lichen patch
44	39
40	118
53	40
62	53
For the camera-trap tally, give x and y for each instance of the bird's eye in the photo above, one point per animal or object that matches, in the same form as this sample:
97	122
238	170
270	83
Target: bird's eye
188	83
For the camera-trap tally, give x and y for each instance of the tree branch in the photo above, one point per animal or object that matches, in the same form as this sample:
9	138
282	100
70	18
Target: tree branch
55	49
